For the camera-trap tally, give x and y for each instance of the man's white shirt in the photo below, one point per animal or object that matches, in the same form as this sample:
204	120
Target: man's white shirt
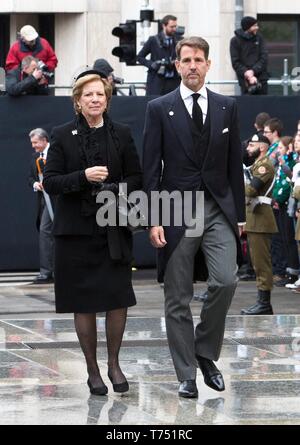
186	95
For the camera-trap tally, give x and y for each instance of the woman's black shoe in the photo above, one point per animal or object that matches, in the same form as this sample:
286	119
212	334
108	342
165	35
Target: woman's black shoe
97	390
119	387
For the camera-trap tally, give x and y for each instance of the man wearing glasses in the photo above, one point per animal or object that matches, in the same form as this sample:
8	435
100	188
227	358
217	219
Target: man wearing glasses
272	130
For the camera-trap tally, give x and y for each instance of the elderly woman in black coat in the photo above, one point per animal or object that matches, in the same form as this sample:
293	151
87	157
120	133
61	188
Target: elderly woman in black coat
92	263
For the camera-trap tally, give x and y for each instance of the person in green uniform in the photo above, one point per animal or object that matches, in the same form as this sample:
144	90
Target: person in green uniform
260	221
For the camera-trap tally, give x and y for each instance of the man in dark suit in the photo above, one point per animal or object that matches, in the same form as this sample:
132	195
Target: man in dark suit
40	143
191	143
162	75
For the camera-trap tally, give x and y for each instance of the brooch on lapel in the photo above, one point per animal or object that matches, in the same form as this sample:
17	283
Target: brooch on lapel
171	113
74	132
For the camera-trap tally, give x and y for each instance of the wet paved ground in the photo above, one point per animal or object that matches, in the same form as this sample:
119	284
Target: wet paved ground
43	376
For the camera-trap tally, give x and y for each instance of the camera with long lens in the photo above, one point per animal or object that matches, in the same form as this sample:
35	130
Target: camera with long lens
43	67
118	80
166	65
254	89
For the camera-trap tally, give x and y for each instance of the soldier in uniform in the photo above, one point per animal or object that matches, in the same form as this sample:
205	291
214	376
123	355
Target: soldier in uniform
260	221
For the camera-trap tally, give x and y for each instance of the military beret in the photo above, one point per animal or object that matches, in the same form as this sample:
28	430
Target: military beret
259	137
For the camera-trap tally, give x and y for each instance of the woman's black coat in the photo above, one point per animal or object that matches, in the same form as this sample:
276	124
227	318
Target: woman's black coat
64	176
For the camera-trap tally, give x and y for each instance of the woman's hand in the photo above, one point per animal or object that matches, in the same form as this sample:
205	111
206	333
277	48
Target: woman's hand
96	174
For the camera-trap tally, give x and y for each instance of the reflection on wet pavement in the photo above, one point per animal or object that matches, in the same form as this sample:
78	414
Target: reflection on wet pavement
43	375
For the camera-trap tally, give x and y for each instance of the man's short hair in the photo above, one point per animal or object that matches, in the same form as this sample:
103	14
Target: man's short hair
27	61
275	124
286	141
167	18
40	133
193	42
261	119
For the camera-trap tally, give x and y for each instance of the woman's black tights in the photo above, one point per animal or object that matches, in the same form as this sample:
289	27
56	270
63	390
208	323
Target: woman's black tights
86	329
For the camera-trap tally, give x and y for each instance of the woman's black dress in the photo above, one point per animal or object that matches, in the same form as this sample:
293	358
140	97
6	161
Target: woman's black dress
87	280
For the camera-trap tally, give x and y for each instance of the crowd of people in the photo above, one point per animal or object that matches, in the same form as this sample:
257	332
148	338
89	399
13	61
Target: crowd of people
271	162
31	60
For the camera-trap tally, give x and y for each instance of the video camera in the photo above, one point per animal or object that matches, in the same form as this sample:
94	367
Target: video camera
118	80
165	65
254	89
43	67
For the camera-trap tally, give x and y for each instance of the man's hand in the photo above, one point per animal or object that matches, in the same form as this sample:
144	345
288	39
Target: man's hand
248	74
43	81
38	187
241	230
252	80
96	174
157	237
37	74
155	65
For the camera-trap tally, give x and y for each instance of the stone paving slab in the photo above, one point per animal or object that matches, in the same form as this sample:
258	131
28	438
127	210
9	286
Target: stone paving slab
43	375
39	299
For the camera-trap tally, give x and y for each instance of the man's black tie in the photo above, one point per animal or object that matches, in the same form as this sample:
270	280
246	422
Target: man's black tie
197	112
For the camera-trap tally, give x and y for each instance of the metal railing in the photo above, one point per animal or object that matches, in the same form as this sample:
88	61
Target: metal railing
2	79
131	88
286	80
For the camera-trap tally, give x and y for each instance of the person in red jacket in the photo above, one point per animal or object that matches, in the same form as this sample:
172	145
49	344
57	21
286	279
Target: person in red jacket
30	44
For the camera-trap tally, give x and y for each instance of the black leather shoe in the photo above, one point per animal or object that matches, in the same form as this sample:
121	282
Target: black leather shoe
97	390
212	376
43	279
119	387
188	389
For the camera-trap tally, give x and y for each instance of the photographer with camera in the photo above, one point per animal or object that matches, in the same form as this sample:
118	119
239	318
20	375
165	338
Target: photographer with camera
31	44
162	75
249	57
28	79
